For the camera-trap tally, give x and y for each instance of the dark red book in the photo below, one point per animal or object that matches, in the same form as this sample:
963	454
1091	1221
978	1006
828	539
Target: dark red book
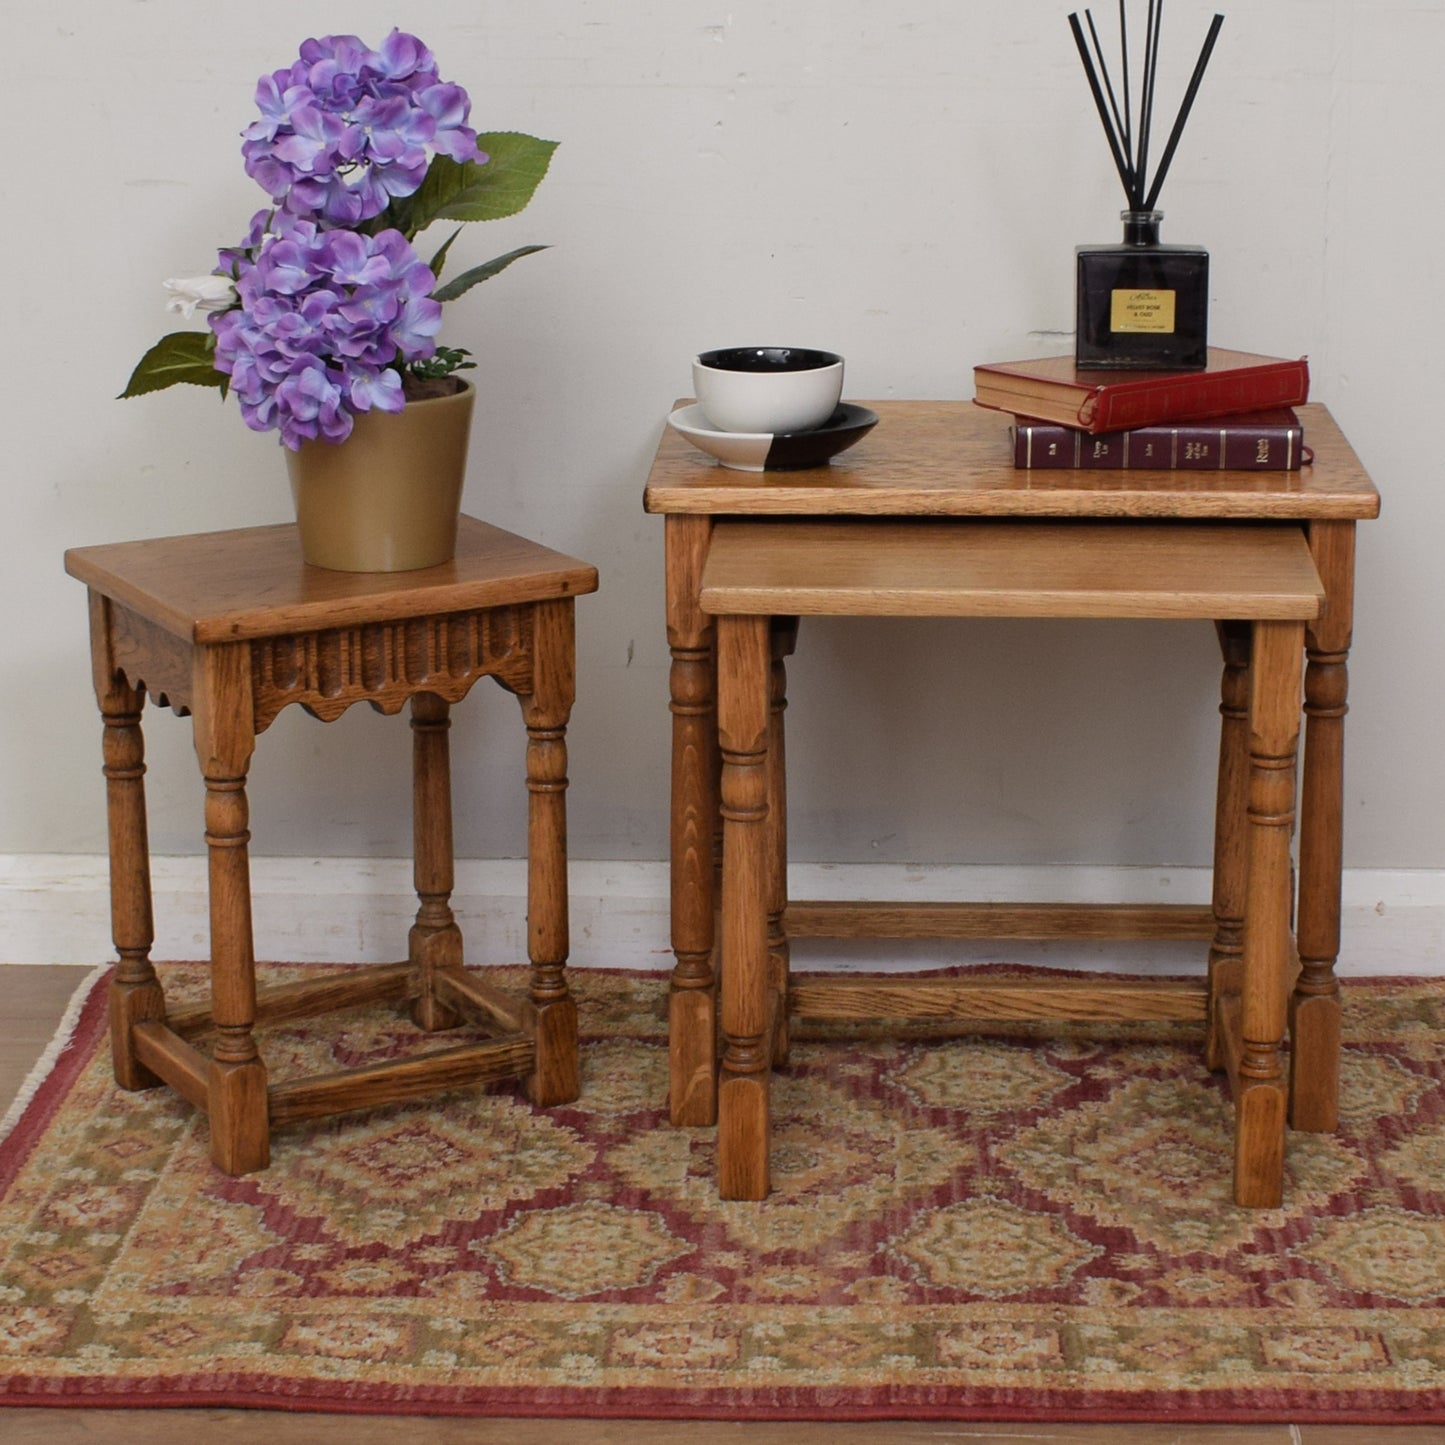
1054	389
1254	441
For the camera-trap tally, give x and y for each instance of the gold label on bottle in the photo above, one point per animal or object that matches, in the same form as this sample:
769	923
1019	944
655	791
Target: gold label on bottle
1142	311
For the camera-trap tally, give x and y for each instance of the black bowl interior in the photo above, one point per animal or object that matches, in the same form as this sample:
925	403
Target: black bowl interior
768	359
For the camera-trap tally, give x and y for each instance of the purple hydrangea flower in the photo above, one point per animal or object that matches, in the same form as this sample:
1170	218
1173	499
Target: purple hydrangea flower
324	320
346	128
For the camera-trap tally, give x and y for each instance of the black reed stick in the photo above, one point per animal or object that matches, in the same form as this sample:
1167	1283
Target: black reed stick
1124	54
1121	129
1125	175
1129	146
1185	107
1146	99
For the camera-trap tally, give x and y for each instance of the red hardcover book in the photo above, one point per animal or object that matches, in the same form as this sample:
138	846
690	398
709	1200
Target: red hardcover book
1253	441
1053	389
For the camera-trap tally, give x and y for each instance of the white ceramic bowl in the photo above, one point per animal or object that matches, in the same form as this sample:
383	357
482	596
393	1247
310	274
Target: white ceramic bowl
767	389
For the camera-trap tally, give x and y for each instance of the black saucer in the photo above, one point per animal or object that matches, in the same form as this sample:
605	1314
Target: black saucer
793	451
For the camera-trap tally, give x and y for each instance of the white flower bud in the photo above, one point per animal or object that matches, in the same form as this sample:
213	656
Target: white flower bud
204	293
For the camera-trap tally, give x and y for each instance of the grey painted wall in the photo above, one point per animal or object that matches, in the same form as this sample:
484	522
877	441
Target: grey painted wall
903	184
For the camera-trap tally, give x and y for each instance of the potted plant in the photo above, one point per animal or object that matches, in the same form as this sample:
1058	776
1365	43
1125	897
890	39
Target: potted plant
323	319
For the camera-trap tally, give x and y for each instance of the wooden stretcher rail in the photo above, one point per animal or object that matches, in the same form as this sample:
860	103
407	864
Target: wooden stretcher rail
1084	1000
345	989
808	919
389	1083
185	1069
475	995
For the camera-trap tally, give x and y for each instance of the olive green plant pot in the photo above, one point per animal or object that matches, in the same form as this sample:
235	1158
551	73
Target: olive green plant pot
387	498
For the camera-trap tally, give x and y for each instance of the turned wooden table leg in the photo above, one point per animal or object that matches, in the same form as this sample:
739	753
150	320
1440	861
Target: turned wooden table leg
1315	1006
435	941
225	738
1261	1095
743	1125
555	1078
1231	856
784	638
135	991
692	999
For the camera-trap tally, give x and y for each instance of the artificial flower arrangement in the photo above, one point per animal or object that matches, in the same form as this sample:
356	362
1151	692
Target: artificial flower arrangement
325	309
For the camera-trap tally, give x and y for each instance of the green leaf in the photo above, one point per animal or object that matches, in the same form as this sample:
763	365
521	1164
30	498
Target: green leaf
182	357
464	283
486	191
396	217
442	362
440	259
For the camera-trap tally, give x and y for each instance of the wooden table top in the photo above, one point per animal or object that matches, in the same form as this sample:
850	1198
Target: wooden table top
953	458
227	586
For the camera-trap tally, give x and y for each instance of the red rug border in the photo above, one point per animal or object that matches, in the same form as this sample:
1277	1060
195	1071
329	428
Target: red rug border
75	1052
625	1403
622	1402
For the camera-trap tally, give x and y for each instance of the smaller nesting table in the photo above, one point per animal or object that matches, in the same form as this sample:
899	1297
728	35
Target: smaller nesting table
232	627
1258	583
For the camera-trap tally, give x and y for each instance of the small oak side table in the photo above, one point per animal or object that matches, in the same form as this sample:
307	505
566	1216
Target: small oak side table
230	628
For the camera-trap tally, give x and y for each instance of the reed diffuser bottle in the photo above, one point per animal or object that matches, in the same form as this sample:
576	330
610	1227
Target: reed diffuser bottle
1140	305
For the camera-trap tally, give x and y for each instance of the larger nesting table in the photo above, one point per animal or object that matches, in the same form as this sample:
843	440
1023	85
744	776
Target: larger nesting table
951	462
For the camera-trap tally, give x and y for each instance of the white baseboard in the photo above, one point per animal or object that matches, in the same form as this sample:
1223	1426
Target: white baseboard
54	908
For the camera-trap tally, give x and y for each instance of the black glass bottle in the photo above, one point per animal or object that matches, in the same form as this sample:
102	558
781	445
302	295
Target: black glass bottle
1142	305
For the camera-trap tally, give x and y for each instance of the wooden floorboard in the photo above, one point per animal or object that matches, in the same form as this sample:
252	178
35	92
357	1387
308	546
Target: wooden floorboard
35	997
30	1016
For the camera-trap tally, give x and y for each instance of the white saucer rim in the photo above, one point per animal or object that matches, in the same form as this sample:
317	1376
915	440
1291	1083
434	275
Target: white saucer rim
675	420
686	426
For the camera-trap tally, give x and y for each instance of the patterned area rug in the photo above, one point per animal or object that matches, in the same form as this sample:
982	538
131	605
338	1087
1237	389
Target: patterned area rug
1013	1226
